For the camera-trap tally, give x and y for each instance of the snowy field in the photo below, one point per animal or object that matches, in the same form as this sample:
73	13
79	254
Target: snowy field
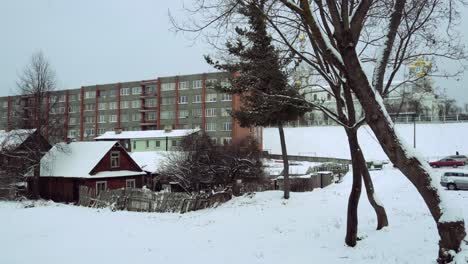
308	228
432	140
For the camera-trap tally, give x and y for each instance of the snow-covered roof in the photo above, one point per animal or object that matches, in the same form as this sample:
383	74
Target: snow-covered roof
149	161
77	159
147	134
14	138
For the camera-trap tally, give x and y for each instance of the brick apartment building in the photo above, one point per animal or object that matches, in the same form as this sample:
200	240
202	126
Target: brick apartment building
182	102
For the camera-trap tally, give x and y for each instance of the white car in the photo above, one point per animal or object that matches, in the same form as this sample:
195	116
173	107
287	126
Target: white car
455	179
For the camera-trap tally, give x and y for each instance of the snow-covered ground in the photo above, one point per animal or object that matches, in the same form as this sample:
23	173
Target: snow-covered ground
308	228
432	140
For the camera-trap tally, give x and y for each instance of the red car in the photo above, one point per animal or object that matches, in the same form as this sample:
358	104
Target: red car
447	162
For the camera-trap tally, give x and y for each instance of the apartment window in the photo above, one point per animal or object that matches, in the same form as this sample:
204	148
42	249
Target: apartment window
101	186
183	99
72	121
197	98
151	102
183	85
113	118
211	81
101	131
210	112
227	126
211	97
102	94
151	89
61	109
196	112
89	131
151	116
102	106
115	159
72	109
72	98
136	104
136	90
4	114
124	118
52	99
167	114
89	119
124	104
90	94
168	86
62	98
136	117
226	97
226	140
158	143
125	91
168	100
52	110
5	104
225	83
130	184
112	93
183	114
226	111
102	119
112	105
210	127
71	133
89	107
197	84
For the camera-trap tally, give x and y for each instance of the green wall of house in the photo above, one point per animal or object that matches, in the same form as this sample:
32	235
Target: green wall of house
154	144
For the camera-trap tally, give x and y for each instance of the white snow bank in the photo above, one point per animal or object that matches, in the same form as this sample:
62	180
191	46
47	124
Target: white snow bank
432	140
261	229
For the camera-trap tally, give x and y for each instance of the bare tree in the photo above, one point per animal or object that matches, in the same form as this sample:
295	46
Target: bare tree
36	107
384	35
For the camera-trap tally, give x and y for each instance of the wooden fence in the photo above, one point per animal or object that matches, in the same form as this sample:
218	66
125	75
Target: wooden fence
141	200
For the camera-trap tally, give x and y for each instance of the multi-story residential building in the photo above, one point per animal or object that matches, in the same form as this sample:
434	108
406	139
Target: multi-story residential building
178	102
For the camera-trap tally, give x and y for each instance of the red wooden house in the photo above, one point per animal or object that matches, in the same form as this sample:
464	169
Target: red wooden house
98	165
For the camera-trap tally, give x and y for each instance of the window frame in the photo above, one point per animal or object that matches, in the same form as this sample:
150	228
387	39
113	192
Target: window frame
112	158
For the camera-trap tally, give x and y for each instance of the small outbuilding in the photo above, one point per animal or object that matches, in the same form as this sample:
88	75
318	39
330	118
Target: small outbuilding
96	165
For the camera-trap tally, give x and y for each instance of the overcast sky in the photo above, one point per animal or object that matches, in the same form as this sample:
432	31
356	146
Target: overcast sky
94	42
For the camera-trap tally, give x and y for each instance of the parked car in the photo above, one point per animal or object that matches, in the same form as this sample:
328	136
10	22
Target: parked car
458	157
454	180
447	162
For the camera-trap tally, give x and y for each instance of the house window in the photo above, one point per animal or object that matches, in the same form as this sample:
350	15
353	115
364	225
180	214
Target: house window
101	186
72	121
174	143
102	94
158	143
112	93
115	159
130	184
134	145
147	143
89	131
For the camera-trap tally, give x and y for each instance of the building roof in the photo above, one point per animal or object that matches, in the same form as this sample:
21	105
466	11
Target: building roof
14	138
77	160
149	161
144	134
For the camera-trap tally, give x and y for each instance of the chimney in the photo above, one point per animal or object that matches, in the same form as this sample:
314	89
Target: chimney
117	130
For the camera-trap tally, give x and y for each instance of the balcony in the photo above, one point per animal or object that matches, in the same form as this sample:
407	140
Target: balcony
148	109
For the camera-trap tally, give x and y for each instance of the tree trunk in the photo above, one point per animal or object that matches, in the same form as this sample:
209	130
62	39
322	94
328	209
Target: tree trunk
451	229
353	201
379	209
35	182
284	153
